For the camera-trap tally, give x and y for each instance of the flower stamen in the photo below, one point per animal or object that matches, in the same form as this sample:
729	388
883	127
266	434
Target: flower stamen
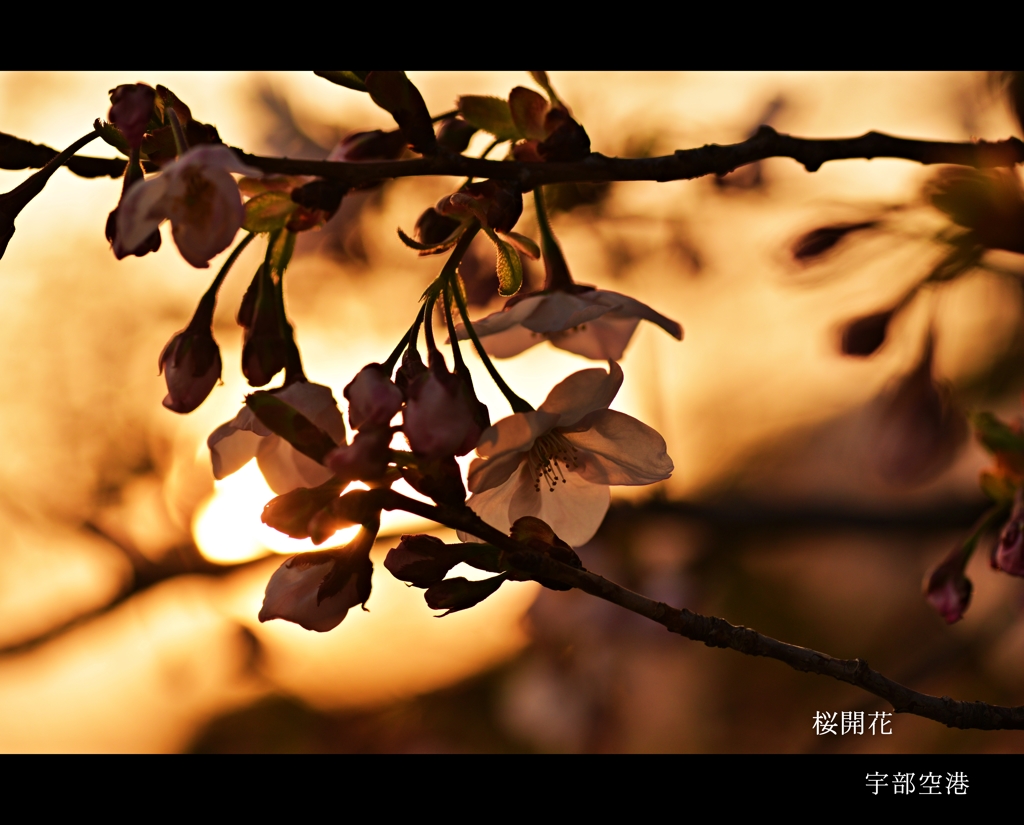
550	457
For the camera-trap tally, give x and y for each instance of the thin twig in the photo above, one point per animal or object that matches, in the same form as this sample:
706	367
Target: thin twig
684	164
715	632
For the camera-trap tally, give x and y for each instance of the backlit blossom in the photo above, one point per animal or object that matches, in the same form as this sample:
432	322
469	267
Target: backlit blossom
197	194
316	590
442	416
234	444
594	323
556	463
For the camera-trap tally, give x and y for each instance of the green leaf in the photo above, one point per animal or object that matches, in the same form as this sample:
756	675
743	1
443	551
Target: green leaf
268	212
111	135
350	80
995	436
545	84
523	244
281	254
528	110
996	488
492	114
510	268
284	420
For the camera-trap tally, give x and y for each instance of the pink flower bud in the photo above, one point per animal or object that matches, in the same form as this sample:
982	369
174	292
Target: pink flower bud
366	458
373	399
131	109
292	512
452	595
1009	556
442	416
947	589
191	365
264	348
423	561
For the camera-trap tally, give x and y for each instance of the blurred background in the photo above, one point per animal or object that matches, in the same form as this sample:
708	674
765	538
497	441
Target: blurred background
130	582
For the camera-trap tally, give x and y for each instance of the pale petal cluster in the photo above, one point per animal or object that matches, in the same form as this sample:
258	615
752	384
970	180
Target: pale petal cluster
197	194
292	595
234	444
556	463
594	323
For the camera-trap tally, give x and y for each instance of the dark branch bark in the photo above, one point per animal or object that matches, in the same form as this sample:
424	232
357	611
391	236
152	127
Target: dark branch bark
715	632
684	164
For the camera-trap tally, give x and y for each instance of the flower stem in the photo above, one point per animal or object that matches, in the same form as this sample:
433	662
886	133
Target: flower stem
215	286
460	364
556	271
428	324
293	362
180	143
204	312
518	404
408	340
983	526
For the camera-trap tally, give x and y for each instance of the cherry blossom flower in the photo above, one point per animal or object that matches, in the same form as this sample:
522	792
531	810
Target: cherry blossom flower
442	415
556	463
234	444
594	323
197	194
316	590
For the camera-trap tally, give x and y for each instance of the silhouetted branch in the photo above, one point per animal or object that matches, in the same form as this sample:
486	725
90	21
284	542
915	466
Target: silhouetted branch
684	164
715	632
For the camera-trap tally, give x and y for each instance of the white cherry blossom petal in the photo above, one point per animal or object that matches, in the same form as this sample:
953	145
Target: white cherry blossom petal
487	474
582	393
618	449
574	510
603	339
292	593
203	227
142	209
235	443
317	403
560	311
632	308
199	196
595	323
511	342
231	449
514	434
286	469
492	505
500	321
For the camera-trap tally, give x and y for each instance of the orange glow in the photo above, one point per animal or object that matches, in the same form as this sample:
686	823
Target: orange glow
755	400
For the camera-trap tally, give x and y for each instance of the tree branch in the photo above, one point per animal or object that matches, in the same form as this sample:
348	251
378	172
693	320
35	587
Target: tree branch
684	164
715	632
